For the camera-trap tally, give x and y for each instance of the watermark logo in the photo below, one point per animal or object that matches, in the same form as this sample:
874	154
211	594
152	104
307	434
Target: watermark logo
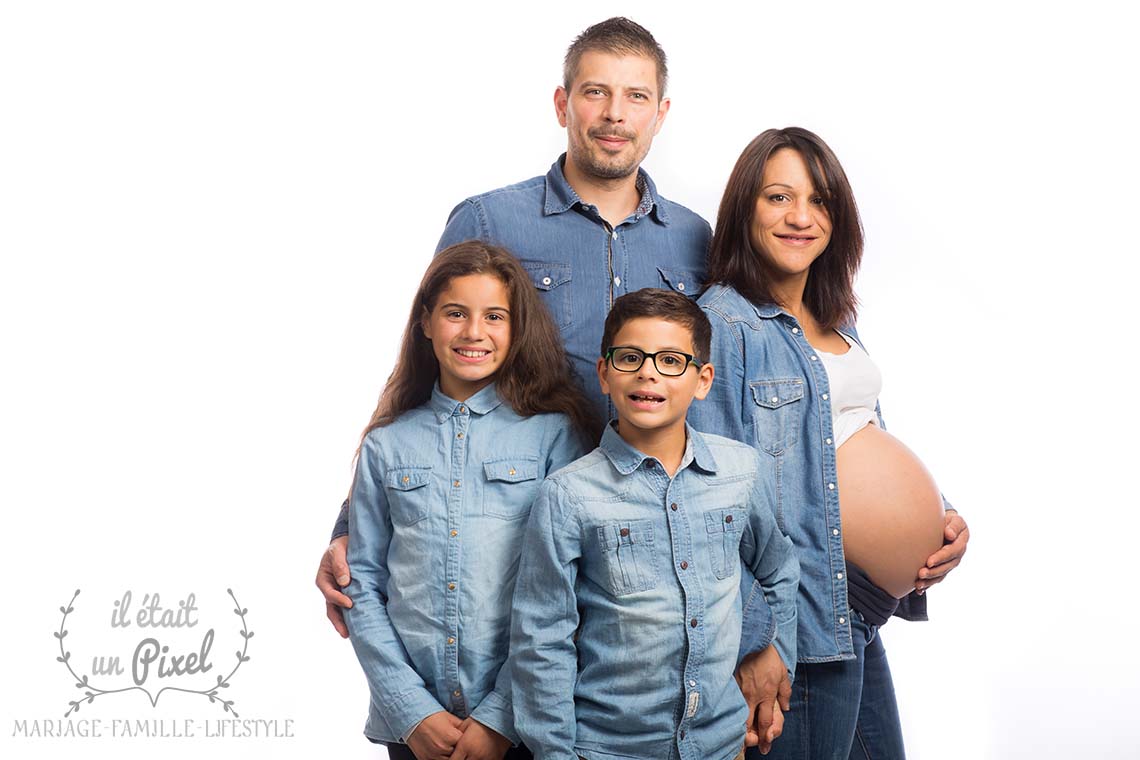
152	661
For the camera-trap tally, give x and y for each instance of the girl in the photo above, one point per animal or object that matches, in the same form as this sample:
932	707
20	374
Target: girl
792	380
478	410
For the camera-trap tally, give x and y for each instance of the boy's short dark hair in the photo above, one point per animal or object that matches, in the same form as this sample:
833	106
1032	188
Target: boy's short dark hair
616	36
656	303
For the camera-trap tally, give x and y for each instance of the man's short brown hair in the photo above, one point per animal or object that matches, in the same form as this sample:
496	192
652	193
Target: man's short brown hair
616	36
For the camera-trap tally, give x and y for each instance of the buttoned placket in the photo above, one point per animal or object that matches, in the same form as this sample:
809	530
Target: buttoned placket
684	567
831	489
458	425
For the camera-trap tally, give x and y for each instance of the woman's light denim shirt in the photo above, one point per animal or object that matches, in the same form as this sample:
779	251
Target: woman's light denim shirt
771	391
627	611
436	520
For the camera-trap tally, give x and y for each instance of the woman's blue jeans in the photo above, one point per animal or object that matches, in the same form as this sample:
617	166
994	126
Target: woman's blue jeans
843	710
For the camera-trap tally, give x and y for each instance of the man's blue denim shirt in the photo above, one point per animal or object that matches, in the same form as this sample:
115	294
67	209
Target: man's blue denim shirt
578	262
438	509
627	610
771	392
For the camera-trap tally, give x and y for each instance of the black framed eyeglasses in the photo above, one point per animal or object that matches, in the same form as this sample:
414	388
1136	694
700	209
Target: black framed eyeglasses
668	363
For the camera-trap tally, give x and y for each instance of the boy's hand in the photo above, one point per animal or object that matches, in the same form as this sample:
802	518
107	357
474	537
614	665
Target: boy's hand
436	736
480	743
332	574
763	681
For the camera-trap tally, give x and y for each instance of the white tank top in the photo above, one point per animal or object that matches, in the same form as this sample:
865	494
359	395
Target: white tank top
855	385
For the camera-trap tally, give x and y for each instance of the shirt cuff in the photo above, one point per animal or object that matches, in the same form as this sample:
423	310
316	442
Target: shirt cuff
495	713
407	713
340	528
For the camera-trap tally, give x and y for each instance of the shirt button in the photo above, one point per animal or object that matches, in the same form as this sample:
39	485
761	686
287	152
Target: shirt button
454	533
839	576
775	399
835	531
814	358
456	484
617	281
624	532
457	692
405	479
693	623
684	565
692	683
681	286
450	639
451	587
462	409
728	518
615	234
795	331
825	397
842	620
511	471
828	441
673	506
830	486
546	280
460	436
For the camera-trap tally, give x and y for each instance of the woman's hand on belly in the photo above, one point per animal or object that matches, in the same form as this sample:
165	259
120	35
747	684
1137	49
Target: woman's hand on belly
957	535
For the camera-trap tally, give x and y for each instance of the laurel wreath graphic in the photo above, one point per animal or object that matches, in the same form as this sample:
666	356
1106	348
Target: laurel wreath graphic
92	692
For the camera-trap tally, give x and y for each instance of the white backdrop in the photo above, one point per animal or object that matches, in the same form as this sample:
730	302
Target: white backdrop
213	214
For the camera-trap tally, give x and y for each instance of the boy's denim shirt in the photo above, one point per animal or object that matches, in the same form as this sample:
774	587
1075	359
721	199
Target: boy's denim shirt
436	519
771	391
627	611
579	262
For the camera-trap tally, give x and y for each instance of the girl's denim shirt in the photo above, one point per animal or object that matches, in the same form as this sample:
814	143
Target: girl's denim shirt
771	391
436	519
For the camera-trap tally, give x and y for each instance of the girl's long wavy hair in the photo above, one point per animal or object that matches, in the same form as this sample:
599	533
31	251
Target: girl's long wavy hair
534	378
829	294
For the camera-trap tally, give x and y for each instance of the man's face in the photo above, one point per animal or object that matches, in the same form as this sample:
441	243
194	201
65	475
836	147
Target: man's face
611	113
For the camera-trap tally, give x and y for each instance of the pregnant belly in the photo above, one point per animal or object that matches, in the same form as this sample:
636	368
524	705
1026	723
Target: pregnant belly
890	507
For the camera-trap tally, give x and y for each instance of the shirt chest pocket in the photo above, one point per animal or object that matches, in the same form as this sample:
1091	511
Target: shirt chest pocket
408	494
779	406
509	486
724	528
553	283
626	556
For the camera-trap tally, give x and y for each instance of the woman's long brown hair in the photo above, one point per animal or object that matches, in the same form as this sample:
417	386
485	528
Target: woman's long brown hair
829	294
534	378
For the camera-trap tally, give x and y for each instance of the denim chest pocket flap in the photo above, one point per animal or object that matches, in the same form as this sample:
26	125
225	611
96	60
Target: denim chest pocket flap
724	528
409	500
552	279
628	556
510	485
776	419
681	281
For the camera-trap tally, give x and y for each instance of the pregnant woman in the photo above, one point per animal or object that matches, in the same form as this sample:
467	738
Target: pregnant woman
793	380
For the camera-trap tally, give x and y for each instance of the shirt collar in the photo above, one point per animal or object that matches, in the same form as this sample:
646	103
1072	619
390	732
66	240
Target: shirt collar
483	402
626	458
561	197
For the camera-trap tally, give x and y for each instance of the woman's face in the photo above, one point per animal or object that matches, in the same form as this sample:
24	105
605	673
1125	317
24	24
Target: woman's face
790	225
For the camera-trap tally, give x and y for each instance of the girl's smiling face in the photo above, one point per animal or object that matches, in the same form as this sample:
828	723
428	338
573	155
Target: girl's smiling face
470	332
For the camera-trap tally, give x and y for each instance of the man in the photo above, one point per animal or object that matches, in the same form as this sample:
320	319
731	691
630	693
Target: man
591	229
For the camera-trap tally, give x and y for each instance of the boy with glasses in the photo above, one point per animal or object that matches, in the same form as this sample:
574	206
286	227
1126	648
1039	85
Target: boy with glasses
626	620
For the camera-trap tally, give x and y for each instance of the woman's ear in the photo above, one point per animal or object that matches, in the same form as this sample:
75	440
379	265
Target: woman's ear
425	323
